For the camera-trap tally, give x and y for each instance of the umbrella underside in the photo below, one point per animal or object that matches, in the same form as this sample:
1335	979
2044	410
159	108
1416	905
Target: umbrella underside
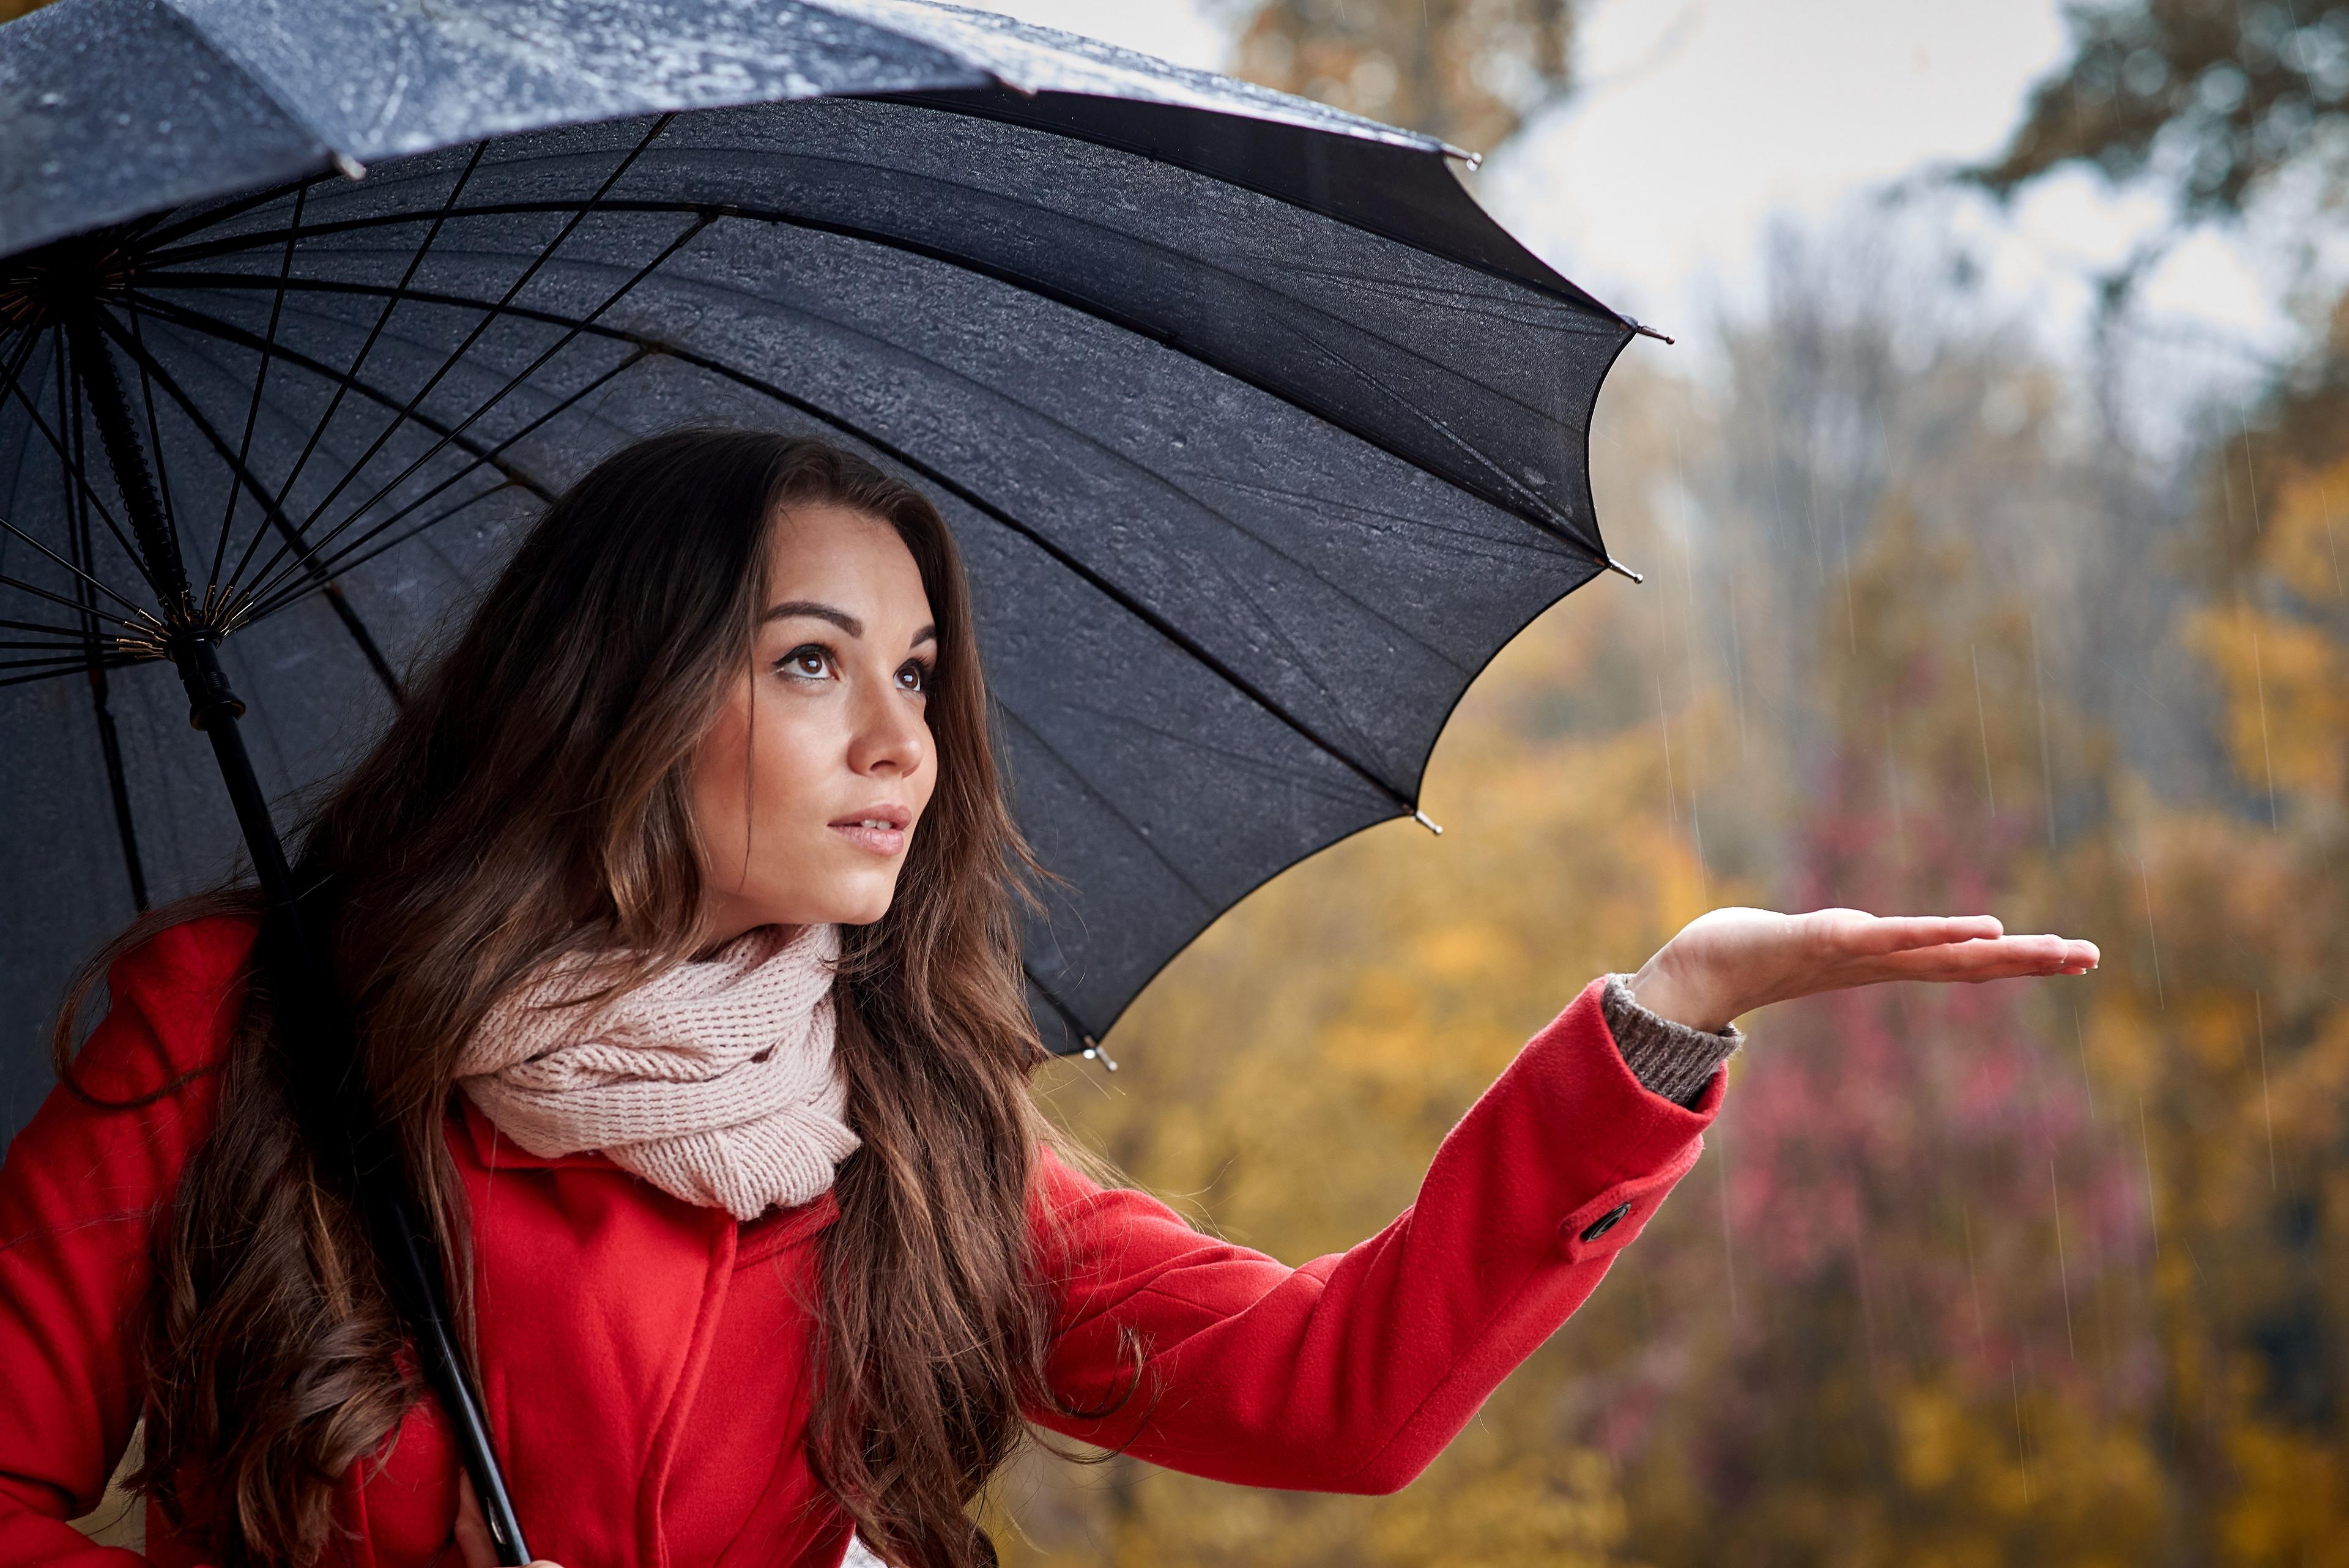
1222	468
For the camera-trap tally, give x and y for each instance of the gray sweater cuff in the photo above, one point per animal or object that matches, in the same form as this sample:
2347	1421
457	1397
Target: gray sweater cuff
1668	1058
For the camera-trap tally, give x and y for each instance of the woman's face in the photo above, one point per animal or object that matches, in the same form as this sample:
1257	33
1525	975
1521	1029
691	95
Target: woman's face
811	786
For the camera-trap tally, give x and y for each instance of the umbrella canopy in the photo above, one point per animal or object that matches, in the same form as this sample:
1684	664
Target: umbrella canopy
1259	438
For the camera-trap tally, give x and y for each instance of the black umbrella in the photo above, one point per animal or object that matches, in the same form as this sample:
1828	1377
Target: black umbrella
1260	437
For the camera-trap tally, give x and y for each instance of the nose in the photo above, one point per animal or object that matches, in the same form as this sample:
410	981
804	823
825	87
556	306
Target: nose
892	739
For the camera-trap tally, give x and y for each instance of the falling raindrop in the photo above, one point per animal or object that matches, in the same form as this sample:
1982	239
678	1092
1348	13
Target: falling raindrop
1973	1285
2022	1450
1843	549
1989	788
2251	474
2046	770
2267	1110
2145	879
2062	1268
2087	1082
1736	669
2332	544
2145	1143
1728	1248
2267	754
1892	788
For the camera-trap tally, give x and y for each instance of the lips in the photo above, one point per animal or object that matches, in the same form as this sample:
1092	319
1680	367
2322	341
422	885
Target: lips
879	828
882	814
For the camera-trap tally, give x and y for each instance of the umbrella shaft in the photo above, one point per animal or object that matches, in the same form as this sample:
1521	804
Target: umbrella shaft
221	726
158	540
311	1013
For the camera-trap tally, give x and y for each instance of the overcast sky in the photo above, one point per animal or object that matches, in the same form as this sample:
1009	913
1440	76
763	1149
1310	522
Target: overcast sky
1696	122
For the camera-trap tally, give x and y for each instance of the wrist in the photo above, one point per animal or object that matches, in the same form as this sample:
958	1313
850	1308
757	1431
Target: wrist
1662	988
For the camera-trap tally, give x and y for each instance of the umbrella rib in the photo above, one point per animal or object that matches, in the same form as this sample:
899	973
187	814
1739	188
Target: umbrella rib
199	321
1116	595
519	378
276	516
1068	1014
260	382
69	634
1063	296
512	291
61	662
229	332
356	553
882	238
69	566
1110	806
349	562
335	403
196	222
74	470
112	661
23	586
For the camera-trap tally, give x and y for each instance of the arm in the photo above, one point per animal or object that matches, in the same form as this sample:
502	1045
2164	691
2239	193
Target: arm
1353	1373
81	1190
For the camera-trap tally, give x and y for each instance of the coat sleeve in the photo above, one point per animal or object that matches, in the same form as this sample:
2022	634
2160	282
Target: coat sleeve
81	1190
1352	1372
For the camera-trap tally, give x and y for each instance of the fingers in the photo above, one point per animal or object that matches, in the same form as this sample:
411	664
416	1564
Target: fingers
2001	958
1858	934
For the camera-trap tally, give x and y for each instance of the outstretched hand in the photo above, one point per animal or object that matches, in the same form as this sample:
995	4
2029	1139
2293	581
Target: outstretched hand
1731	961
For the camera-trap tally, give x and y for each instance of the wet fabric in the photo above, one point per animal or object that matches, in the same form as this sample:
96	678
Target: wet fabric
1258	438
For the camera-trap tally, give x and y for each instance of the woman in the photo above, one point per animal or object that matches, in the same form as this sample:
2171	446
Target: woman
677	911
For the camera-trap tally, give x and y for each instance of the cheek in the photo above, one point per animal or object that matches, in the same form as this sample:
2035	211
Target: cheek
719	768
782	757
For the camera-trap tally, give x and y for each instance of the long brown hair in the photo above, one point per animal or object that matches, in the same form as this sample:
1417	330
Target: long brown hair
532	796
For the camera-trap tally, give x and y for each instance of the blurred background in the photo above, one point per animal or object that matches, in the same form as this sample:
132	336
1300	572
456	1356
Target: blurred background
1993	503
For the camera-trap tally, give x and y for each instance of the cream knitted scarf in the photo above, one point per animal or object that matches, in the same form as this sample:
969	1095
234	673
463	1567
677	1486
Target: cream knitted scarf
714	1081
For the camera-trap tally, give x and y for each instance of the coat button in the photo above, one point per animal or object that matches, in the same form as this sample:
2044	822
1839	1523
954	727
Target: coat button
1606	1222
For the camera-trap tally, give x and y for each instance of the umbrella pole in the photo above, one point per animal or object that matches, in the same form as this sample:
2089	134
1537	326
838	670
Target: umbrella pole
309	1001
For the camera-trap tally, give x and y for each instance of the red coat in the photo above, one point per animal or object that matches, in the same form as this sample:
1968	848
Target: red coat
646	1379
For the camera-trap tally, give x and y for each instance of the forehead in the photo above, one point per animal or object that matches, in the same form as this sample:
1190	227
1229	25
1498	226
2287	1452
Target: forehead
825	550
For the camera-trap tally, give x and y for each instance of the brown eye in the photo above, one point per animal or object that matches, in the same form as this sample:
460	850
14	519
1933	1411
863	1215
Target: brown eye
812	662
914	676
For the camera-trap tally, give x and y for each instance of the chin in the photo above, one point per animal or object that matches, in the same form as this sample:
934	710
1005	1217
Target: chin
858	908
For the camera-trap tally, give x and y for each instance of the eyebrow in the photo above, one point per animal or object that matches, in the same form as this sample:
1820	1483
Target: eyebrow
839	618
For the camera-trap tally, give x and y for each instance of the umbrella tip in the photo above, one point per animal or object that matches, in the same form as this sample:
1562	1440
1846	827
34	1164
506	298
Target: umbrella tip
1093	1052
348	167
1642	329
1424	821
1615	566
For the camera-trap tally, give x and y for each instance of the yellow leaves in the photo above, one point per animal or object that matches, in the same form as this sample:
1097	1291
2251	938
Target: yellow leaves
1550	1505
2287	685
2292	1505
2309	1095
2306	542
1931	1423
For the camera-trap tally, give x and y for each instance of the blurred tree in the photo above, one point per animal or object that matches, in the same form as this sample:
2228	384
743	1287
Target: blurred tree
1469	71
2210	96
2218	103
